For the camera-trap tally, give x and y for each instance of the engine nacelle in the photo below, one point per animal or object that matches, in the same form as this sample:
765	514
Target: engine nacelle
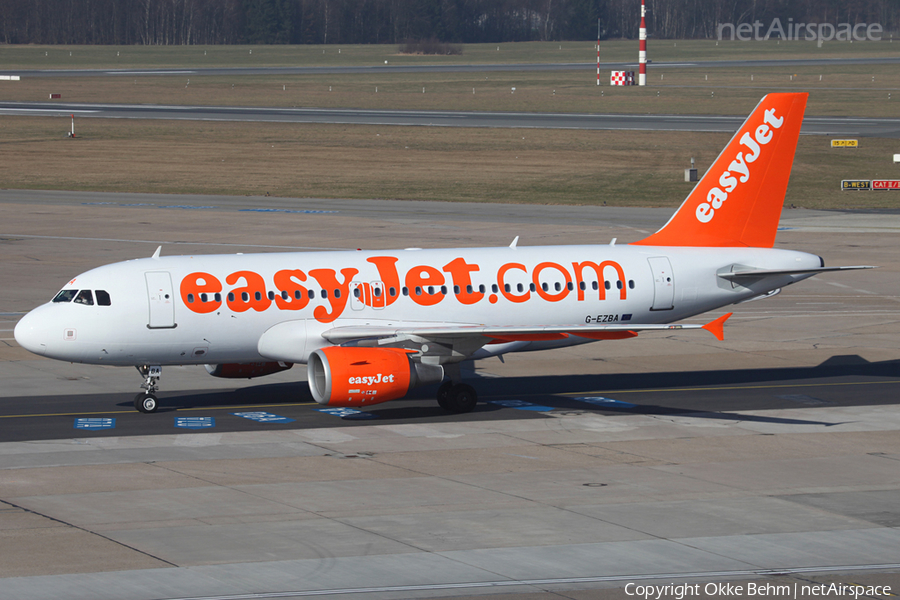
247	370
353	376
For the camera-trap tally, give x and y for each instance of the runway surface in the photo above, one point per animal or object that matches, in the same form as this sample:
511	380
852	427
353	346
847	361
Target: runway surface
464	68
843	126
770	457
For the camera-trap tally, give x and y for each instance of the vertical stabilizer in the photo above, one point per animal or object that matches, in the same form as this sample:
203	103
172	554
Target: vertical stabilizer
738	202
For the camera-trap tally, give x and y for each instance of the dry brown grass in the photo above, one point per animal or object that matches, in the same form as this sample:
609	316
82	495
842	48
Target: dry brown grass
336	161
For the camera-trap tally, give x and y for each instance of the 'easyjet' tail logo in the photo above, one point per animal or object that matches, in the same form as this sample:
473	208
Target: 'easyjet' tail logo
738	202
740	166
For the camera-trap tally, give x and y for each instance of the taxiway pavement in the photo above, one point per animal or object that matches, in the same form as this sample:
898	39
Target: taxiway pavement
843	126
769	457
458	68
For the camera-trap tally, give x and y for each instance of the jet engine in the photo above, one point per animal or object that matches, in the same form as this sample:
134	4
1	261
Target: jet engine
247	370
354	376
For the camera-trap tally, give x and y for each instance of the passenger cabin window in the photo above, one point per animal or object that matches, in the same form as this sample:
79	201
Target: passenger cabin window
85	297
103	298
65	296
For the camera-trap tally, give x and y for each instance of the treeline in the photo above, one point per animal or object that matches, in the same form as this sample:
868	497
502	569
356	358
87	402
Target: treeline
395	21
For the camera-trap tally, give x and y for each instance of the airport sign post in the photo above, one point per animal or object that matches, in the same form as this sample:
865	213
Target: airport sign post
886	184
856	184
866	184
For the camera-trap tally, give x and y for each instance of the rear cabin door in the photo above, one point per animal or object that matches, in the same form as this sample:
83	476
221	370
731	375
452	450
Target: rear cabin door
663	283
162	302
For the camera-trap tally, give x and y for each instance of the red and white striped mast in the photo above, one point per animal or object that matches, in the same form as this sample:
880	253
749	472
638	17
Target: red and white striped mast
642	54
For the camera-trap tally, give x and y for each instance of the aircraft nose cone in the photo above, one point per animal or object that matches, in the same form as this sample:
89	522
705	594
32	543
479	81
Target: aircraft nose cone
30	334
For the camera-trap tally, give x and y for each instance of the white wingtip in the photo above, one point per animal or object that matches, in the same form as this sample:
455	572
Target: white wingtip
156	254
514	242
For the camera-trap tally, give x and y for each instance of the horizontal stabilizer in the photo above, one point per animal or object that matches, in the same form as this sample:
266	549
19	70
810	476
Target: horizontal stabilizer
758	273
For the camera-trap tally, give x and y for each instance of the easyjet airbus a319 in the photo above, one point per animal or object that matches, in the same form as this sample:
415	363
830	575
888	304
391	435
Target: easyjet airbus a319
370	326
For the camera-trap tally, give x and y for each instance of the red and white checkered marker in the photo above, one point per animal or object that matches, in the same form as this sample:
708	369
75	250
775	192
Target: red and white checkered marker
621	78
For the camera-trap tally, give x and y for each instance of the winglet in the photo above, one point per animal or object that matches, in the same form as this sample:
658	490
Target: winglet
515	243
717	327
156	254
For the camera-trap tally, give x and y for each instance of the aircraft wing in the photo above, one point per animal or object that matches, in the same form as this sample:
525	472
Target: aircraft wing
343	335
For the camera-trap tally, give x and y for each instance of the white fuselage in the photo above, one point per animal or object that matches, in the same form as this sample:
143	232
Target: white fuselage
215	309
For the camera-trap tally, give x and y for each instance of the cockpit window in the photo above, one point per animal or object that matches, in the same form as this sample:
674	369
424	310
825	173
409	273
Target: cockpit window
65	295
85	297
103	298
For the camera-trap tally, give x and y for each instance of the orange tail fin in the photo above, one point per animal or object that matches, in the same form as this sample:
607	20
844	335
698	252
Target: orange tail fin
738	202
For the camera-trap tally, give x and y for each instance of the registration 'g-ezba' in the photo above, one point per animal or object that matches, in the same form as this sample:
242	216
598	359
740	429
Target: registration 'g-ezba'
370	326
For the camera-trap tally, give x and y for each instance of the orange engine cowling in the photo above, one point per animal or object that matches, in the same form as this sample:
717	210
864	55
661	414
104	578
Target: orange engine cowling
341	376
247	370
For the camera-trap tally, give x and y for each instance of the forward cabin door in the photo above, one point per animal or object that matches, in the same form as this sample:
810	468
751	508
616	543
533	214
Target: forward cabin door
162	302
663	283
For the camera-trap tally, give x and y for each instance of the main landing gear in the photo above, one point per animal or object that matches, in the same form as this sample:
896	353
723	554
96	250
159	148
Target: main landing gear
146	402
456	397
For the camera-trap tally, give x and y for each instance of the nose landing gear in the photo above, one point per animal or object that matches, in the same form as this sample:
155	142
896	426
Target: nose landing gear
147	402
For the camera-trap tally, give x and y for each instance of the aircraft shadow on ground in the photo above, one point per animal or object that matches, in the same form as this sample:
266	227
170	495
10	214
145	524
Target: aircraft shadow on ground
698	394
